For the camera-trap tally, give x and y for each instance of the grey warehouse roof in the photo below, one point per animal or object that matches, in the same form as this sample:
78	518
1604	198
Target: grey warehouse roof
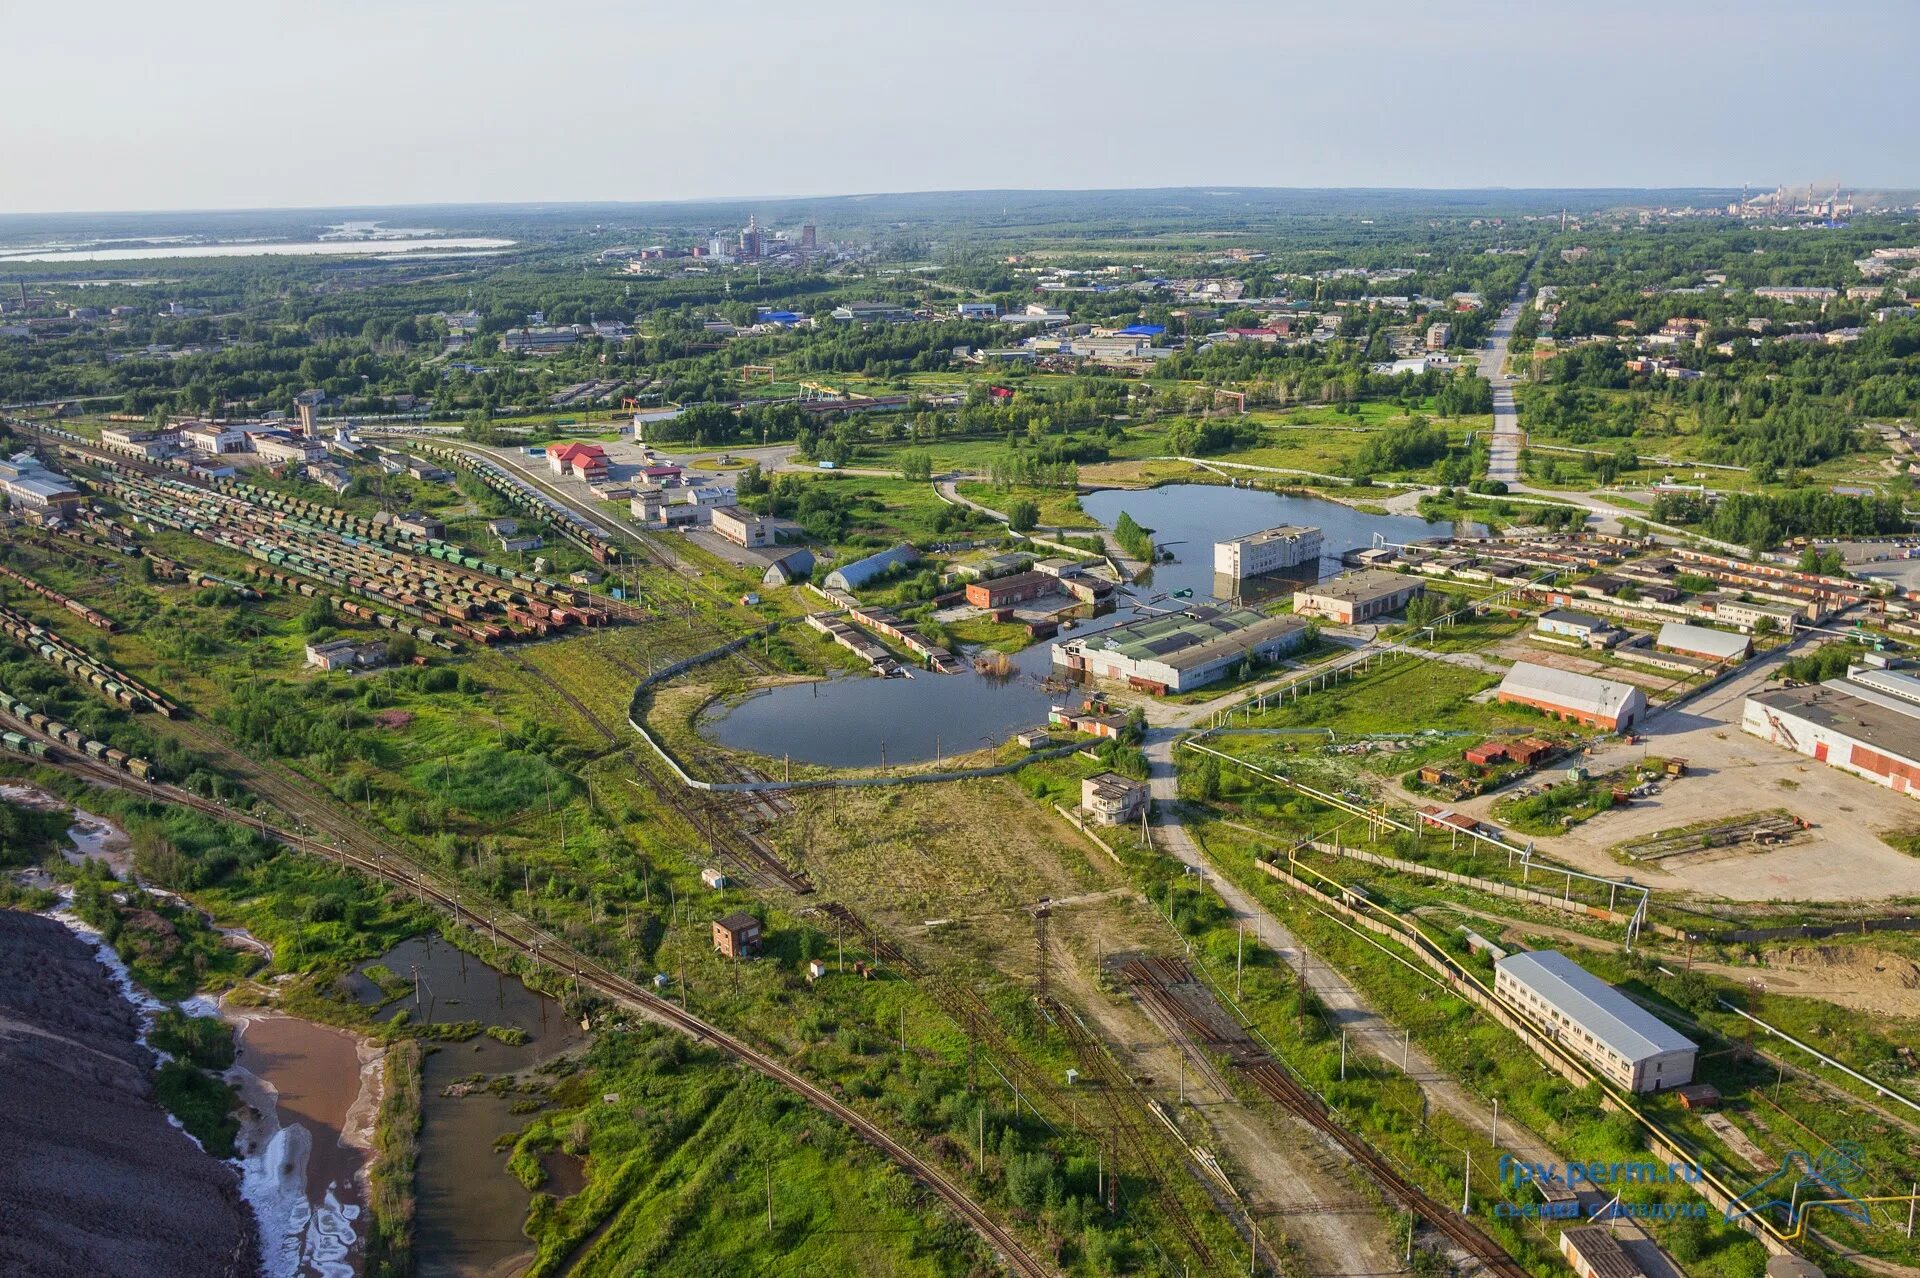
1701	639
1595	1006
1567	689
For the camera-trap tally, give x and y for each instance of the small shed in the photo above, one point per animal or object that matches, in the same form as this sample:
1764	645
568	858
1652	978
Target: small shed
1530	750
1698	1096
713	878
1035	739
1487	753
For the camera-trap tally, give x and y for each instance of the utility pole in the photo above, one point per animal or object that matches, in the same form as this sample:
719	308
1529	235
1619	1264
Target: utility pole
1496	1122
1466	1187
1239	958
1343	1055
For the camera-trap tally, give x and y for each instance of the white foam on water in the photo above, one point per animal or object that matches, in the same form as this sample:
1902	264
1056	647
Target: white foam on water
330	1237
273	1180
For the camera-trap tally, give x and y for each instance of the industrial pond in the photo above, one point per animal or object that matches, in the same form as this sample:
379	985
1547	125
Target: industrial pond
854	721
1187	519
470	1208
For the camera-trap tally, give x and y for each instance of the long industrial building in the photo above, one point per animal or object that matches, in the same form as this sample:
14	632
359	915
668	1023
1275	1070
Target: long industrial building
1846	723
1182	650
1625	1041
1273	550
1599	703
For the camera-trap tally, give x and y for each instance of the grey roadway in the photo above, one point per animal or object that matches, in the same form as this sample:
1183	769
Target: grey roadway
1503	457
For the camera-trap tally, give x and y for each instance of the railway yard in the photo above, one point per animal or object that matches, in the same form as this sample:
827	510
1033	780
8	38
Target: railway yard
1028	1016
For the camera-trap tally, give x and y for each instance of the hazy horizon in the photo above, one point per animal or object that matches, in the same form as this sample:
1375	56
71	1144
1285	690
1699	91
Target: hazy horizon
229	106
779	198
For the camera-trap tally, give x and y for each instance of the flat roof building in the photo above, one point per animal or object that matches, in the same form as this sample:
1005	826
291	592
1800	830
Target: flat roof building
1003	592
1583	626
345	654
1355	597
1888	683
1179	651
29	485
1593	1252
742	527
1600	703
1271	550
872	313
1843	724
1627	1043
1752	614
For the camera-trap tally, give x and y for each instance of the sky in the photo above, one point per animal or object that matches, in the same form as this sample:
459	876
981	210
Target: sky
127	104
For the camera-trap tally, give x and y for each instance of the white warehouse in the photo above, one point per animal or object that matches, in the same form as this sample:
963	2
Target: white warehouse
1256	554
1627	1043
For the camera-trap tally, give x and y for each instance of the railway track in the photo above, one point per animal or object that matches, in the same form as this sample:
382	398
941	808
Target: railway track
383	862
745	850
723	822
1155	980
1130	1133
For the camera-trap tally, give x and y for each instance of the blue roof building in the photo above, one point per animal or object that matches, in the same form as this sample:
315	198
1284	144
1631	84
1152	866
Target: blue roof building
786	319
1143	330
858	573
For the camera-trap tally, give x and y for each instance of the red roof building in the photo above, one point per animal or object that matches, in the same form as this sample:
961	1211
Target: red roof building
589	461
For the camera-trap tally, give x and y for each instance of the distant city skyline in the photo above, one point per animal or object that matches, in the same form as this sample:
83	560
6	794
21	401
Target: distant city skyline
216	104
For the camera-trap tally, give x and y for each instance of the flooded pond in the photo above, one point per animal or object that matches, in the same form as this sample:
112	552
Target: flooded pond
853	721
1188	518
470	1210
856	720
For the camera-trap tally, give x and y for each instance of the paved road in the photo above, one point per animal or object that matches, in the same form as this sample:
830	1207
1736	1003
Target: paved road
1503	461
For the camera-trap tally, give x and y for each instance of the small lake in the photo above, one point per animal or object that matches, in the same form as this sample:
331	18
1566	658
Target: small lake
1188	518
305	248
469	1209
857	720
853	721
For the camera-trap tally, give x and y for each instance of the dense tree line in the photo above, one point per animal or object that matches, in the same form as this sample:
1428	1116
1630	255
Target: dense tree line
1761	522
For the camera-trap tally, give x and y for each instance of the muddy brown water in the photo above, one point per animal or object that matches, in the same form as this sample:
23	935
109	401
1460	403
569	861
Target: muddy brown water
315	1072
469	1209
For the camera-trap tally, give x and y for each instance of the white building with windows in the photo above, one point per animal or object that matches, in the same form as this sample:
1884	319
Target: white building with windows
1271	550
1624	1041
